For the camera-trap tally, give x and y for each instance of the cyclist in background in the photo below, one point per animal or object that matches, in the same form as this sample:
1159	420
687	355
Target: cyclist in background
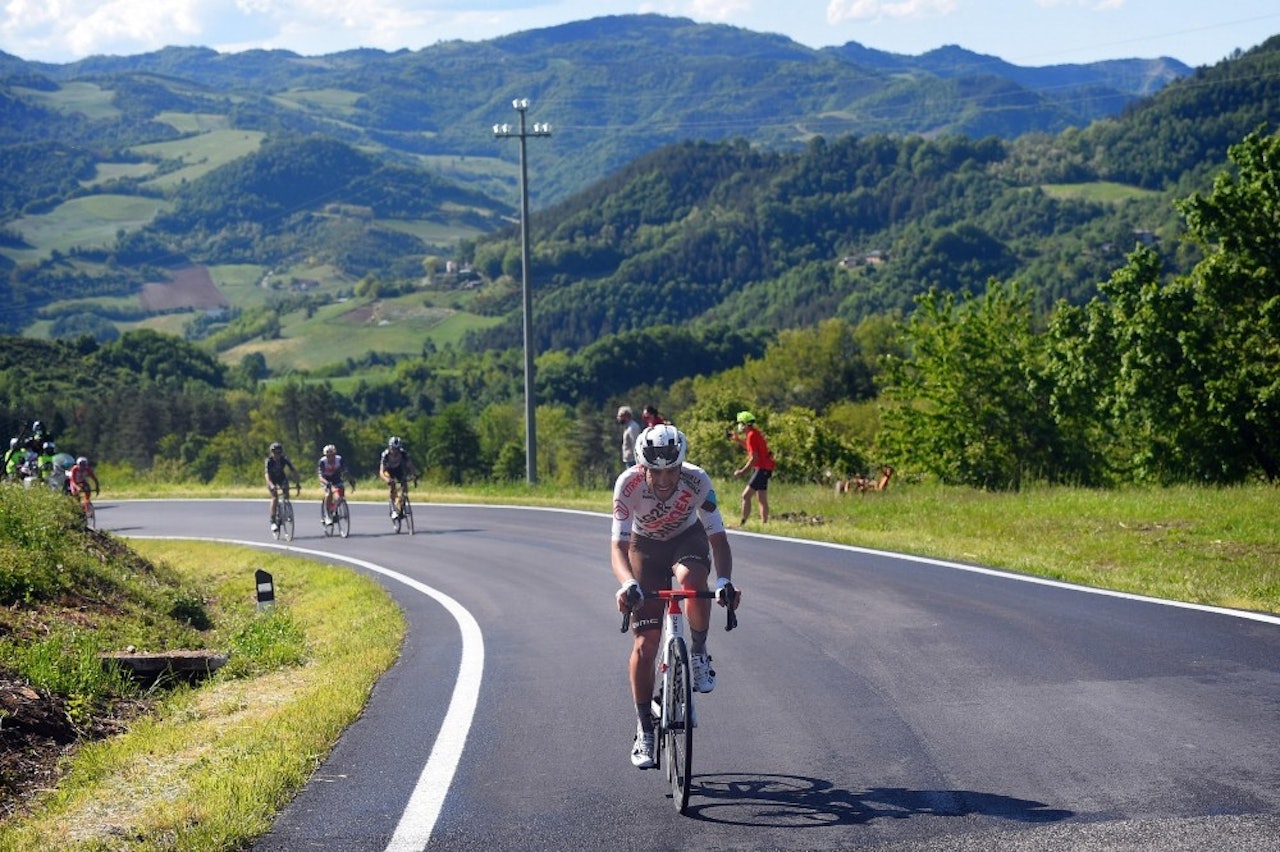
332	472
51	469
78	478
666	523
274	473
396	468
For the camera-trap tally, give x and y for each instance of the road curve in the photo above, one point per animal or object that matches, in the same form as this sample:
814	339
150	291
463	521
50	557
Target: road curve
868	701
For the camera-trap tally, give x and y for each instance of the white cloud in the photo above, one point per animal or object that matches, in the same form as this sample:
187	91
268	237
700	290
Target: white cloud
847	10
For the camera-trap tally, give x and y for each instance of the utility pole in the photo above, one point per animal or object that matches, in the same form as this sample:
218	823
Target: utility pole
506	131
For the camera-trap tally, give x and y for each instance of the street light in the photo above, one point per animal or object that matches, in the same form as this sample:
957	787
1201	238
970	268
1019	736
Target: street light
506	131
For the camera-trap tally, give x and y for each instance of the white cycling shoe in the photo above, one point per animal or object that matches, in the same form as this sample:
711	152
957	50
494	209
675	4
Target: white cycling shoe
642	750
704	677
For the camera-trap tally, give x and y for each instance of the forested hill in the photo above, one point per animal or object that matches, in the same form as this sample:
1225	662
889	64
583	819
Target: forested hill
613	87
853	226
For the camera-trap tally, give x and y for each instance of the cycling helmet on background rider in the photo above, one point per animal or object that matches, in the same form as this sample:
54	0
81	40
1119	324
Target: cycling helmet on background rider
394	443
276	447
82	462
661	447
49	447
329	448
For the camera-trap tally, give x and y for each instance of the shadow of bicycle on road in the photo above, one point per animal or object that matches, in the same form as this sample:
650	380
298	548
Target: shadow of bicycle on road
792	801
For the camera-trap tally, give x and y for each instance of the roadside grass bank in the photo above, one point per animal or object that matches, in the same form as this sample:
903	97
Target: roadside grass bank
208	767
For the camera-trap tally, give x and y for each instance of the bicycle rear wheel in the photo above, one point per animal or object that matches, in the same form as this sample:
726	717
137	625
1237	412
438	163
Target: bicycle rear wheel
343	521
286	520
677	726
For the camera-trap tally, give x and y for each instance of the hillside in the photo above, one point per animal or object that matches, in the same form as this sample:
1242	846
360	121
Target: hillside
856	226
293	183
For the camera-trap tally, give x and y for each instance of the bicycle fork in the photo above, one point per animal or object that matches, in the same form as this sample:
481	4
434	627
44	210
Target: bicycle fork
665	708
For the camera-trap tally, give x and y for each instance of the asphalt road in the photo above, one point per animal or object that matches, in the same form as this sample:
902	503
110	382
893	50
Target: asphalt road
866	701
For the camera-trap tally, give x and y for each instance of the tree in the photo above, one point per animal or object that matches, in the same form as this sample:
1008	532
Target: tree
1235	289
967	403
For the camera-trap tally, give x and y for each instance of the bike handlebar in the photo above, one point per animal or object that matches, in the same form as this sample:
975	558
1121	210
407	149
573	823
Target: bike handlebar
731	617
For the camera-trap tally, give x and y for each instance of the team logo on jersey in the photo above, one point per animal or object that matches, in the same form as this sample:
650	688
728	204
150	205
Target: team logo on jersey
620	511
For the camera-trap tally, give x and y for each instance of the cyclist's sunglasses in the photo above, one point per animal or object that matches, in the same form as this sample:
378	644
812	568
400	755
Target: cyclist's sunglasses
653	454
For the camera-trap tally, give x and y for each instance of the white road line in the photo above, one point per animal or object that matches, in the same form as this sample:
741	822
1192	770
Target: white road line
420	814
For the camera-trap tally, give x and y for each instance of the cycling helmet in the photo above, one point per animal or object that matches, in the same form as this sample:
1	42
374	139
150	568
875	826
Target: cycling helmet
277	447
37	427
13	442
48	447
745	417
329	448
394	443
661	447
82	461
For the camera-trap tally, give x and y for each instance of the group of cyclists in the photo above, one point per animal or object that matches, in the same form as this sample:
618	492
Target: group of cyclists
33	457
395	468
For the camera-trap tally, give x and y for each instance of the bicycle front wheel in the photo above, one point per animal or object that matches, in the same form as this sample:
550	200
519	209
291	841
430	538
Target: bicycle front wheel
408	514
677	724
90	517
286	520
343	520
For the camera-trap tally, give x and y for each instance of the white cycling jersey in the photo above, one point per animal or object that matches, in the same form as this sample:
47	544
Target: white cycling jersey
636	509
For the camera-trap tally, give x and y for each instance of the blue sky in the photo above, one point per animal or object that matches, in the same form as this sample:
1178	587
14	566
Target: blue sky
1025	32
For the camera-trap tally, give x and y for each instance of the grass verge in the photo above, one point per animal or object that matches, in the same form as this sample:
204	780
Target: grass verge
211	767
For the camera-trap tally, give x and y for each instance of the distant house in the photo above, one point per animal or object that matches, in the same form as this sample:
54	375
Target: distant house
874	257
1147	238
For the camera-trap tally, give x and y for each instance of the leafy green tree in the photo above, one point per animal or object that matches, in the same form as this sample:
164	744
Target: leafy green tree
454	448
1236	291
967	403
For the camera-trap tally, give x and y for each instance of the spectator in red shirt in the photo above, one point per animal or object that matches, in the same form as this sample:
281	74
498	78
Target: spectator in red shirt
652	417
759	462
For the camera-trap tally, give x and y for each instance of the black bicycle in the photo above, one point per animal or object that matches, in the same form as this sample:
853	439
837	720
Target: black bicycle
282	519
400	506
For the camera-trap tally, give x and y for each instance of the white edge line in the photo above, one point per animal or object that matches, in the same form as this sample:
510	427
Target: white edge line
423	809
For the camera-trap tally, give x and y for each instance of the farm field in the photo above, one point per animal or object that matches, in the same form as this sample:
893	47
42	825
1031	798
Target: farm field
91	221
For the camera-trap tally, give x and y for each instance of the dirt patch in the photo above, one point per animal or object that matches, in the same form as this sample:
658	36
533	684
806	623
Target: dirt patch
37	731
190	287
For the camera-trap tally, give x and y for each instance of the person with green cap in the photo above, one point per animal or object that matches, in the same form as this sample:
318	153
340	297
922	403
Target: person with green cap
759	462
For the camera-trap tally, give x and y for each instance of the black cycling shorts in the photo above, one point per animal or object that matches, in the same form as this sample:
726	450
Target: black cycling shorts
653	563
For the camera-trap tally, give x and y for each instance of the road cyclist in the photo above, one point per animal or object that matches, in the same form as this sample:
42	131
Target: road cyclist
334	477
396	468
276	473
78	478
666	524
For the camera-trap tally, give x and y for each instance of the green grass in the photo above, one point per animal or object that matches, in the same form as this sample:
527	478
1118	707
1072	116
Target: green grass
1104	192
88	98
90	221
352	328
200	154
210	769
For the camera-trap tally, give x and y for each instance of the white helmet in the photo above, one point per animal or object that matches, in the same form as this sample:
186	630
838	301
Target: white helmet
394	443
660	447
329	448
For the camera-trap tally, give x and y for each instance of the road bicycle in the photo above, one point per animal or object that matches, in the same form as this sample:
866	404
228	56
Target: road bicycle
282	519
672	705
336	516
90	514
401	515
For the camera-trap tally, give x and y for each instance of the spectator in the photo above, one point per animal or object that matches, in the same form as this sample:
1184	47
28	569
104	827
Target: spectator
630	431
652	417
759	462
